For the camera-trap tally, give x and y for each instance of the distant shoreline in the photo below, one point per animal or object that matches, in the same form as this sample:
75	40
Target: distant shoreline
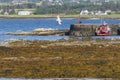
115	16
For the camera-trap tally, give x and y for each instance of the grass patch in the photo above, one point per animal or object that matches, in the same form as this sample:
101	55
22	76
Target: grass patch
112	16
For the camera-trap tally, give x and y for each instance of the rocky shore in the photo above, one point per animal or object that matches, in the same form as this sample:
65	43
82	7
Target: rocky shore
66	58
41	32
63	58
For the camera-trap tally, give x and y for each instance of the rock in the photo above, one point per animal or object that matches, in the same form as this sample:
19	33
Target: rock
43	29
41	32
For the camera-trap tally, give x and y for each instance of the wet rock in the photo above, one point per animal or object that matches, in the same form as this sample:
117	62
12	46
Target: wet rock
41	32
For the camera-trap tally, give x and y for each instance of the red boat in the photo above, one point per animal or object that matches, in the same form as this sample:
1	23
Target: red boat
103	30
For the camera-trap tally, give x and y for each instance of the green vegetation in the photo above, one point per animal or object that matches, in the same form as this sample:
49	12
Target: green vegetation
112	16
46	7
56	59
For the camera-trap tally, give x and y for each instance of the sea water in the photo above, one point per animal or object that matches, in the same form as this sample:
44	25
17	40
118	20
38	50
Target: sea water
13	25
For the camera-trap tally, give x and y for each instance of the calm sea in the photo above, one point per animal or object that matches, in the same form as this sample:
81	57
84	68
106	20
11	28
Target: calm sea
13	25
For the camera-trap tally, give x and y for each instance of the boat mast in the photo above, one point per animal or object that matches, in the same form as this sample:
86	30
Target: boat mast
58	17
101	20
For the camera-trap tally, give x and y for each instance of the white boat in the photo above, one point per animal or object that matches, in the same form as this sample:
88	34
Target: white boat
59	20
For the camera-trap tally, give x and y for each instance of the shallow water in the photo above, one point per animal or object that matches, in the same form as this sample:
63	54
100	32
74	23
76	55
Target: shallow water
13	25
4	38
107	37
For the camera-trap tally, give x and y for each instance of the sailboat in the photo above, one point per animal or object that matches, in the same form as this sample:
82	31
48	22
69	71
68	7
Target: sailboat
59	20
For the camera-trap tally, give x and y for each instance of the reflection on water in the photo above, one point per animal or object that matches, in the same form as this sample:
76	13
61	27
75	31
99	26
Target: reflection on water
59	79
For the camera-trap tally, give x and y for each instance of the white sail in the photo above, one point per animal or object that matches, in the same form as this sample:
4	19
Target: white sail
59	20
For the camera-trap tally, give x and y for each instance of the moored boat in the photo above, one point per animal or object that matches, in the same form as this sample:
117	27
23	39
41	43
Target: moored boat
103	30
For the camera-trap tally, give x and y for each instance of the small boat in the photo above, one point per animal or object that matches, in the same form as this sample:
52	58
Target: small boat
59	20
103	30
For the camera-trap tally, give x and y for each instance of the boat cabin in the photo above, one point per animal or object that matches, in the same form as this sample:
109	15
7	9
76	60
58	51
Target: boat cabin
103	30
